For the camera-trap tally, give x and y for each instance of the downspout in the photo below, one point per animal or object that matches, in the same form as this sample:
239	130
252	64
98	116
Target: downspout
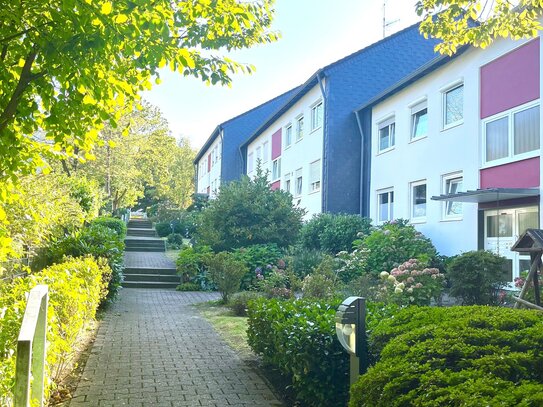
324	196
222	152
362	140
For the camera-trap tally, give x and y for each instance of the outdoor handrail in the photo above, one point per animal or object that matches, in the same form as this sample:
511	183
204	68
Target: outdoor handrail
31	350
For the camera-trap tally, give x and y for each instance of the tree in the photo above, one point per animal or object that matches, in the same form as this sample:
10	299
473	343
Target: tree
248	212
477	22
68	66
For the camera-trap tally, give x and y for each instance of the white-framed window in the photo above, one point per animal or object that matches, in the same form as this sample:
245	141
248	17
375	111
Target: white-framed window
386	134
288	135
315	176
418	200
511	135
299	128
287	183
258	154
265	151
276	169
219	150
452	184
316	116
419	120
250	163
385	205
299	183
453	105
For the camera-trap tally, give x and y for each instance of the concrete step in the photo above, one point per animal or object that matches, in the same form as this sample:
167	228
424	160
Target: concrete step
144	249
141	270
141	242
148	284
140	224
141	232
152	278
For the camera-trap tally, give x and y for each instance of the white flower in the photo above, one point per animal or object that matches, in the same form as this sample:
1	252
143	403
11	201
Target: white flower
401	286
391	278
398	290
383	275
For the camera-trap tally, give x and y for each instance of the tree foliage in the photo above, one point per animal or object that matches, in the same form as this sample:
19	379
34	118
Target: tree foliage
68	66
248	212
478	22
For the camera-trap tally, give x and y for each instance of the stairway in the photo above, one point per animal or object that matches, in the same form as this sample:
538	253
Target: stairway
146	265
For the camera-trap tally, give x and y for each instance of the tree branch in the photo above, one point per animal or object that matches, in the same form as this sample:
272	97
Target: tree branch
24	80
13	36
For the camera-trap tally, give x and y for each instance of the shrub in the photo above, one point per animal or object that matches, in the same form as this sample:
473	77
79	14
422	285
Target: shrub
248	212
455	356
188	287
191	261
175	240
333	233
163	229
352	265
323	283
276	284
226	272
302	261
112	223
298	337
411	283
476	277
75	289
530	293
240	301
258	256
394	243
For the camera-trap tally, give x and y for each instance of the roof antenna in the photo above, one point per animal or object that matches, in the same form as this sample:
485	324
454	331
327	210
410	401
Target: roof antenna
386	23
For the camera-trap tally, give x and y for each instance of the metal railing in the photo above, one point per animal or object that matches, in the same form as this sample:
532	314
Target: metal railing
30	364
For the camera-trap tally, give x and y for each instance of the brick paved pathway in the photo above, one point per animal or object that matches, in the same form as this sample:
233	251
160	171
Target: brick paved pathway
156	260
153	349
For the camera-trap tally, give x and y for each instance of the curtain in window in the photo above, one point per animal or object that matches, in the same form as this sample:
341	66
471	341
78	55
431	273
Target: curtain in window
526	127
497	141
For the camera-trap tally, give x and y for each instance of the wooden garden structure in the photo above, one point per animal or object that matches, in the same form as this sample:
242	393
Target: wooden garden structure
531	242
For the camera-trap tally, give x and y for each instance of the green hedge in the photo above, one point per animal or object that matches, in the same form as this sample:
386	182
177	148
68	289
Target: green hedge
459	356
75	291
298	337
112	223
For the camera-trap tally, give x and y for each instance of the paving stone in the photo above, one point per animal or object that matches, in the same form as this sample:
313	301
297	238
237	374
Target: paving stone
153	349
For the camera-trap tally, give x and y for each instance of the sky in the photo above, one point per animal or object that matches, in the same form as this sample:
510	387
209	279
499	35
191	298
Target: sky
314	33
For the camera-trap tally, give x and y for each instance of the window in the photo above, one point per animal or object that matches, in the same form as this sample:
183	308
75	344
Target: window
453	106
452	184
299	182
299	128
287	182
250	163
315	176
316	116
265	152
385	206
258	154
418	200
288	135
387	130
276	169
219	149
511	136
419	120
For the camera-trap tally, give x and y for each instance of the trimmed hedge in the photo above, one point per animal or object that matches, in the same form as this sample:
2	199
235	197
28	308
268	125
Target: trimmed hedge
458	356
112	223
298	337
75	291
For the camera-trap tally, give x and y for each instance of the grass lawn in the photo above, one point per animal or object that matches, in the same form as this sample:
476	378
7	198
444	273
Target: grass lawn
233	329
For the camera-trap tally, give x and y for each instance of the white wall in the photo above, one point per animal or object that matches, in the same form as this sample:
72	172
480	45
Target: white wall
211	178
456	149
299	154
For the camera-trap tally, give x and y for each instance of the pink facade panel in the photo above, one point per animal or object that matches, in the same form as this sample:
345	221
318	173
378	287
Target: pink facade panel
275	185
520	174
276	144
510	80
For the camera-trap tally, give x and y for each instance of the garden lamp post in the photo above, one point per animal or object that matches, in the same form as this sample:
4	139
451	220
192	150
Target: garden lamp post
351	332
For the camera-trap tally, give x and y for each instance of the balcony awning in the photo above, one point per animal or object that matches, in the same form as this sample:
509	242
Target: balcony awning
488	195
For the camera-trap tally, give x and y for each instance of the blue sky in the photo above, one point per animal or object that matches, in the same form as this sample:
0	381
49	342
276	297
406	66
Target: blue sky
314	34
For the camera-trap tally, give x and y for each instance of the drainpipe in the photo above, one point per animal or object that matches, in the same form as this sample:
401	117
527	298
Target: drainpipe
324	196
362	175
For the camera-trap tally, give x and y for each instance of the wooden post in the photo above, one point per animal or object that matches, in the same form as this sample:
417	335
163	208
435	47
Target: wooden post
533	270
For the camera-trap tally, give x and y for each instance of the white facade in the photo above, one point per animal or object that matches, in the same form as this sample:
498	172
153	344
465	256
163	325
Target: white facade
208	169
444	155
298	167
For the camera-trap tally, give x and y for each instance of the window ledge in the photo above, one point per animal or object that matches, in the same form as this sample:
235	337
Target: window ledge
314	192
315	129
414	140
452	125
458	219
297	141
386	150
416	221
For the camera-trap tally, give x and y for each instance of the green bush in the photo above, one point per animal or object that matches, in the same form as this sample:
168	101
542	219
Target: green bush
302	261
333	233
323	282
476	277
188	287
239	302
174	240
163	229
392	244
458	356
75	289
191	261
276	284
226	272
257	257
298	337
112	223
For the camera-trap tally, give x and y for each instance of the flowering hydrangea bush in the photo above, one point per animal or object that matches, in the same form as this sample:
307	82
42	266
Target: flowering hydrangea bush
274	281
411	283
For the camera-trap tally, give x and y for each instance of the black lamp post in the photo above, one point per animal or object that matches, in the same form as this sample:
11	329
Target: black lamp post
351	332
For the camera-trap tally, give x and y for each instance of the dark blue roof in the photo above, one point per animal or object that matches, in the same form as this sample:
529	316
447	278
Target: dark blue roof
236	131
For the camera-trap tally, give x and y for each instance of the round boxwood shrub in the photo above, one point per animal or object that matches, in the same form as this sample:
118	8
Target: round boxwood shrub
112	223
